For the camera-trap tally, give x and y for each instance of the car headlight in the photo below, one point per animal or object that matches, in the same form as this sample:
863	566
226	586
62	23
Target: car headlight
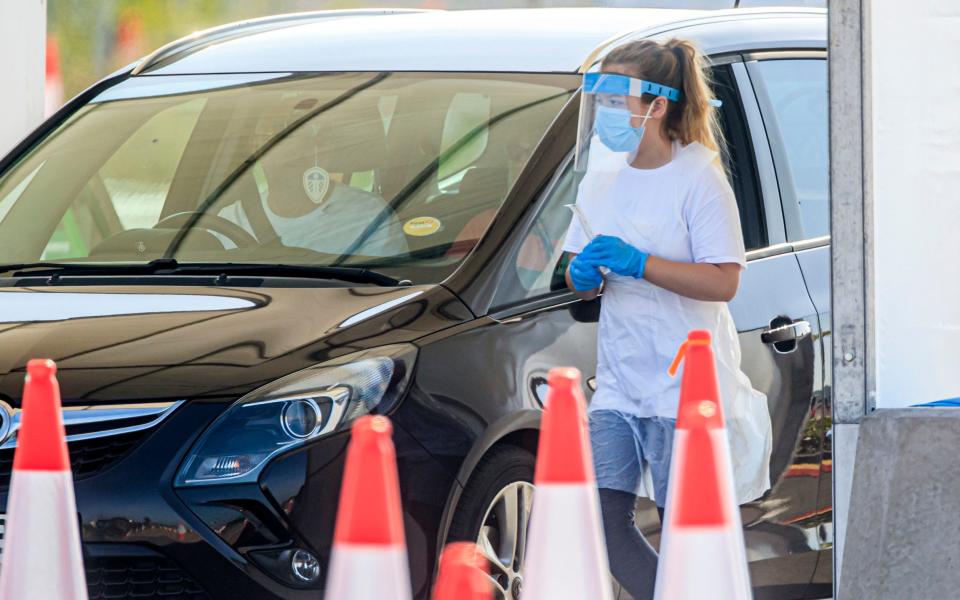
293	410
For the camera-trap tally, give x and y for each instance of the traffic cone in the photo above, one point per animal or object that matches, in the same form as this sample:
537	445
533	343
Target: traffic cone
566	556
41	558
369	557
53	80
463	574
702	551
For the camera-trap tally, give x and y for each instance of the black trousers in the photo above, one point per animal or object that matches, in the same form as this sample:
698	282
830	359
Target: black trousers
632	560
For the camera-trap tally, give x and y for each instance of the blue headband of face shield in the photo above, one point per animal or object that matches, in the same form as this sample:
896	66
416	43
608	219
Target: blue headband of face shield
614	84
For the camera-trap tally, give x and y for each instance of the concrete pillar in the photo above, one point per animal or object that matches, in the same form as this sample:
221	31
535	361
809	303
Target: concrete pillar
23	33
903	527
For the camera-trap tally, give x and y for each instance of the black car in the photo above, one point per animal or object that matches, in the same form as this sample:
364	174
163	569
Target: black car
244	241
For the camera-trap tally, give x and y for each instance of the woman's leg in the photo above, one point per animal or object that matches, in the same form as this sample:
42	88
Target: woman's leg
617	461
656	441
632	560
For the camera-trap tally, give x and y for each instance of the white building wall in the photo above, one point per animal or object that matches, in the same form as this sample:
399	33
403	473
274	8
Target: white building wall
23	31
915	128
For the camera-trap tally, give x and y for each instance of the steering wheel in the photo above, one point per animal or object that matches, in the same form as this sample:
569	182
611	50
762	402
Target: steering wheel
211	222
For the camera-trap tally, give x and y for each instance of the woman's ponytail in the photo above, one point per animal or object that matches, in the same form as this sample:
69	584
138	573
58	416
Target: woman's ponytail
676	63
696	120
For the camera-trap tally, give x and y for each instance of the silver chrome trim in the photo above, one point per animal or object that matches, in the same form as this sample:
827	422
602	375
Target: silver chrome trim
116	413
784	54
810	243
787	247
214	34
768	251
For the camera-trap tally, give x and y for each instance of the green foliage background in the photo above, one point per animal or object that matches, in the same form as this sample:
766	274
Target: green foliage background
87	30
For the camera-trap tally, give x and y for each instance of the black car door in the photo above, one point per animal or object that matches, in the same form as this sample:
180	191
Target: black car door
791	90
779	336
532	302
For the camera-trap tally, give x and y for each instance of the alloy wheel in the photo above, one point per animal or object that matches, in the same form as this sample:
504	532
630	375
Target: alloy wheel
503	538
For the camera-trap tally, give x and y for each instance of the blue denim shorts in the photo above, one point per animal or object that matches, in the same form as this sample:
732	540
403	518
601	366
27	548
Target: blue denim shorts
622	443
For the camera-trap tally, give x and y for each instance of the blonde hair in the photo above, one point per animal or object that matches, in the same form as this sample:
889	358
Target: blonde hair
679	64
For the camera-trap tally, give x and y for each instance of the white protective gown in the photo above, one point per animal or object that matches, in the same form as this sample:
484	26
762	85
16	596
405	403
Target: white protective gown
684	211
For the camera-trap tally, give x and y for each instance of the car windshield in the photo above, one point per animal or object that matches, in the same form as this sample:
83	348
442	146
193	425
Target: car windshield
401	172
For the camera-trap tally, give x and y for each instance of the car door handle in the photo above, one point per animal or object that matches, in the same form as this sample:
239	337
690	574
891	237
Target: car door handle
790	332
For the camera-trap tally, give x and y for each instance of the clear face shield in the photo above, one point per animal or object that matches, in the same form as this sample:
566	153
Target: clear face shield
613	119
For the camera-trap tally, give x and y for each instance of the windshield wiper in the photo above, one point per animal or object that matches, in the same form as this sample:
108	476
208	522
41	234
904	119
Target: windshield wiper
170	266
350	274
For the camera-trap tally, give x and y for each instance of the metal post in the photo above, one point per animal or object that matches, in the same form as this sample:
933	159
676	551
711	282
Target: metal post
848	196
23	25
851	244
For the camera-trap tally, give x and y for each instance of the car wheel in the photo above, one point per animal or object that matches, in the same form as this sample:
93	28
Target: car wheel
494	511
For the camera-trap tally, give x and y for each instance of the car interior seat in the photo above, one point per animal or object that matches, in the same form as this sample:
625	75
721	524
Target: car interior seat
483	189
463	216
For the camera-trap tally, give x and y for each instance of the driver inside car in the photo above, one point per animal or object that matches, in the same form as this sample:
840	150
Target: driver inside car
299	190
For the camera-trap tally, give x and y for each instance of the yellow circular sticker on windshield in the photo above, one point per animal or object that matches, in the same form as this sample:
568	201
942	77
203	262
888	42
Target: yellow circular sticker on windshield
421	226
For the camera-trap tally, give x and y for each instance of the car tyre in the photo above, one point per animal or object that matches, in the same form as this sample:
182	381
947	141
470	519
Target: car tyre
494	512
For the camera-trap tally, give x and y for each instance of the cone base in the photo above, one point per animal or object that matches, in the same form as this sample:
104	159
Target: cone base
699	560
566	555
42	558
368	572
702	563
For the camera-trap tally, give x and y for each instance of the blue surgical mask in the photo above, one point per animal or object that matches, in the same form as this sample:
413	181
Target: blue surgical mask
615	131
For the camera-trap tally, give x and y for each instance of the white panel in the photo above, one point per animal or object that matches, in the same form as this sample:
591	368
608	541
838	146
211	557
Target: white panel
916	140
22	39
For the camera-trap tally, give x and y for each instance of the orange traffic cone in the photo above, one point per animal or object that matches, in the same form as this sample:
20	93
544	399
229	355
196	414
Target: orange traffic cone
369	558
566	557
53	80
42	558
463	574
702	552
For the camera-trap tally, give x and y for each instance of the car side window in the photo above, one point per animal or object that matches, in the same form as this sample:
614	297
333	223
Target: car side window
793	99
738	159
537	267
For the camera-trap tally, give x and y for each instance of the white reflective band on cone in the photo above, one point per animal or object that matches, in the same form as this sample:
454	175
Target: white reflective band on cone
703	562
709	567
368	572
42	559
566	555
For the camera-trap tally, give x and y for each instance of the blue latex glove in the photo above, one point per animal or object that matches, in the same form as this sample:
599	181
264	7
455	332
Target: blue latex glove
615	254
584	275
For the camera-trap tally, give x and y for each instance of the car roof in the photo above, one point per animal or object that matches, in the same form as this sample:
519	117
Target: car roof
550	40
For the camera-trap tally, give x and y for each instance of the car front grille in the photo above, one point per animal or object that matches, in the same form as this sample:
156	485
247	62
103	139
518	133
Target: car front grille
139	578
97	436
87	457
